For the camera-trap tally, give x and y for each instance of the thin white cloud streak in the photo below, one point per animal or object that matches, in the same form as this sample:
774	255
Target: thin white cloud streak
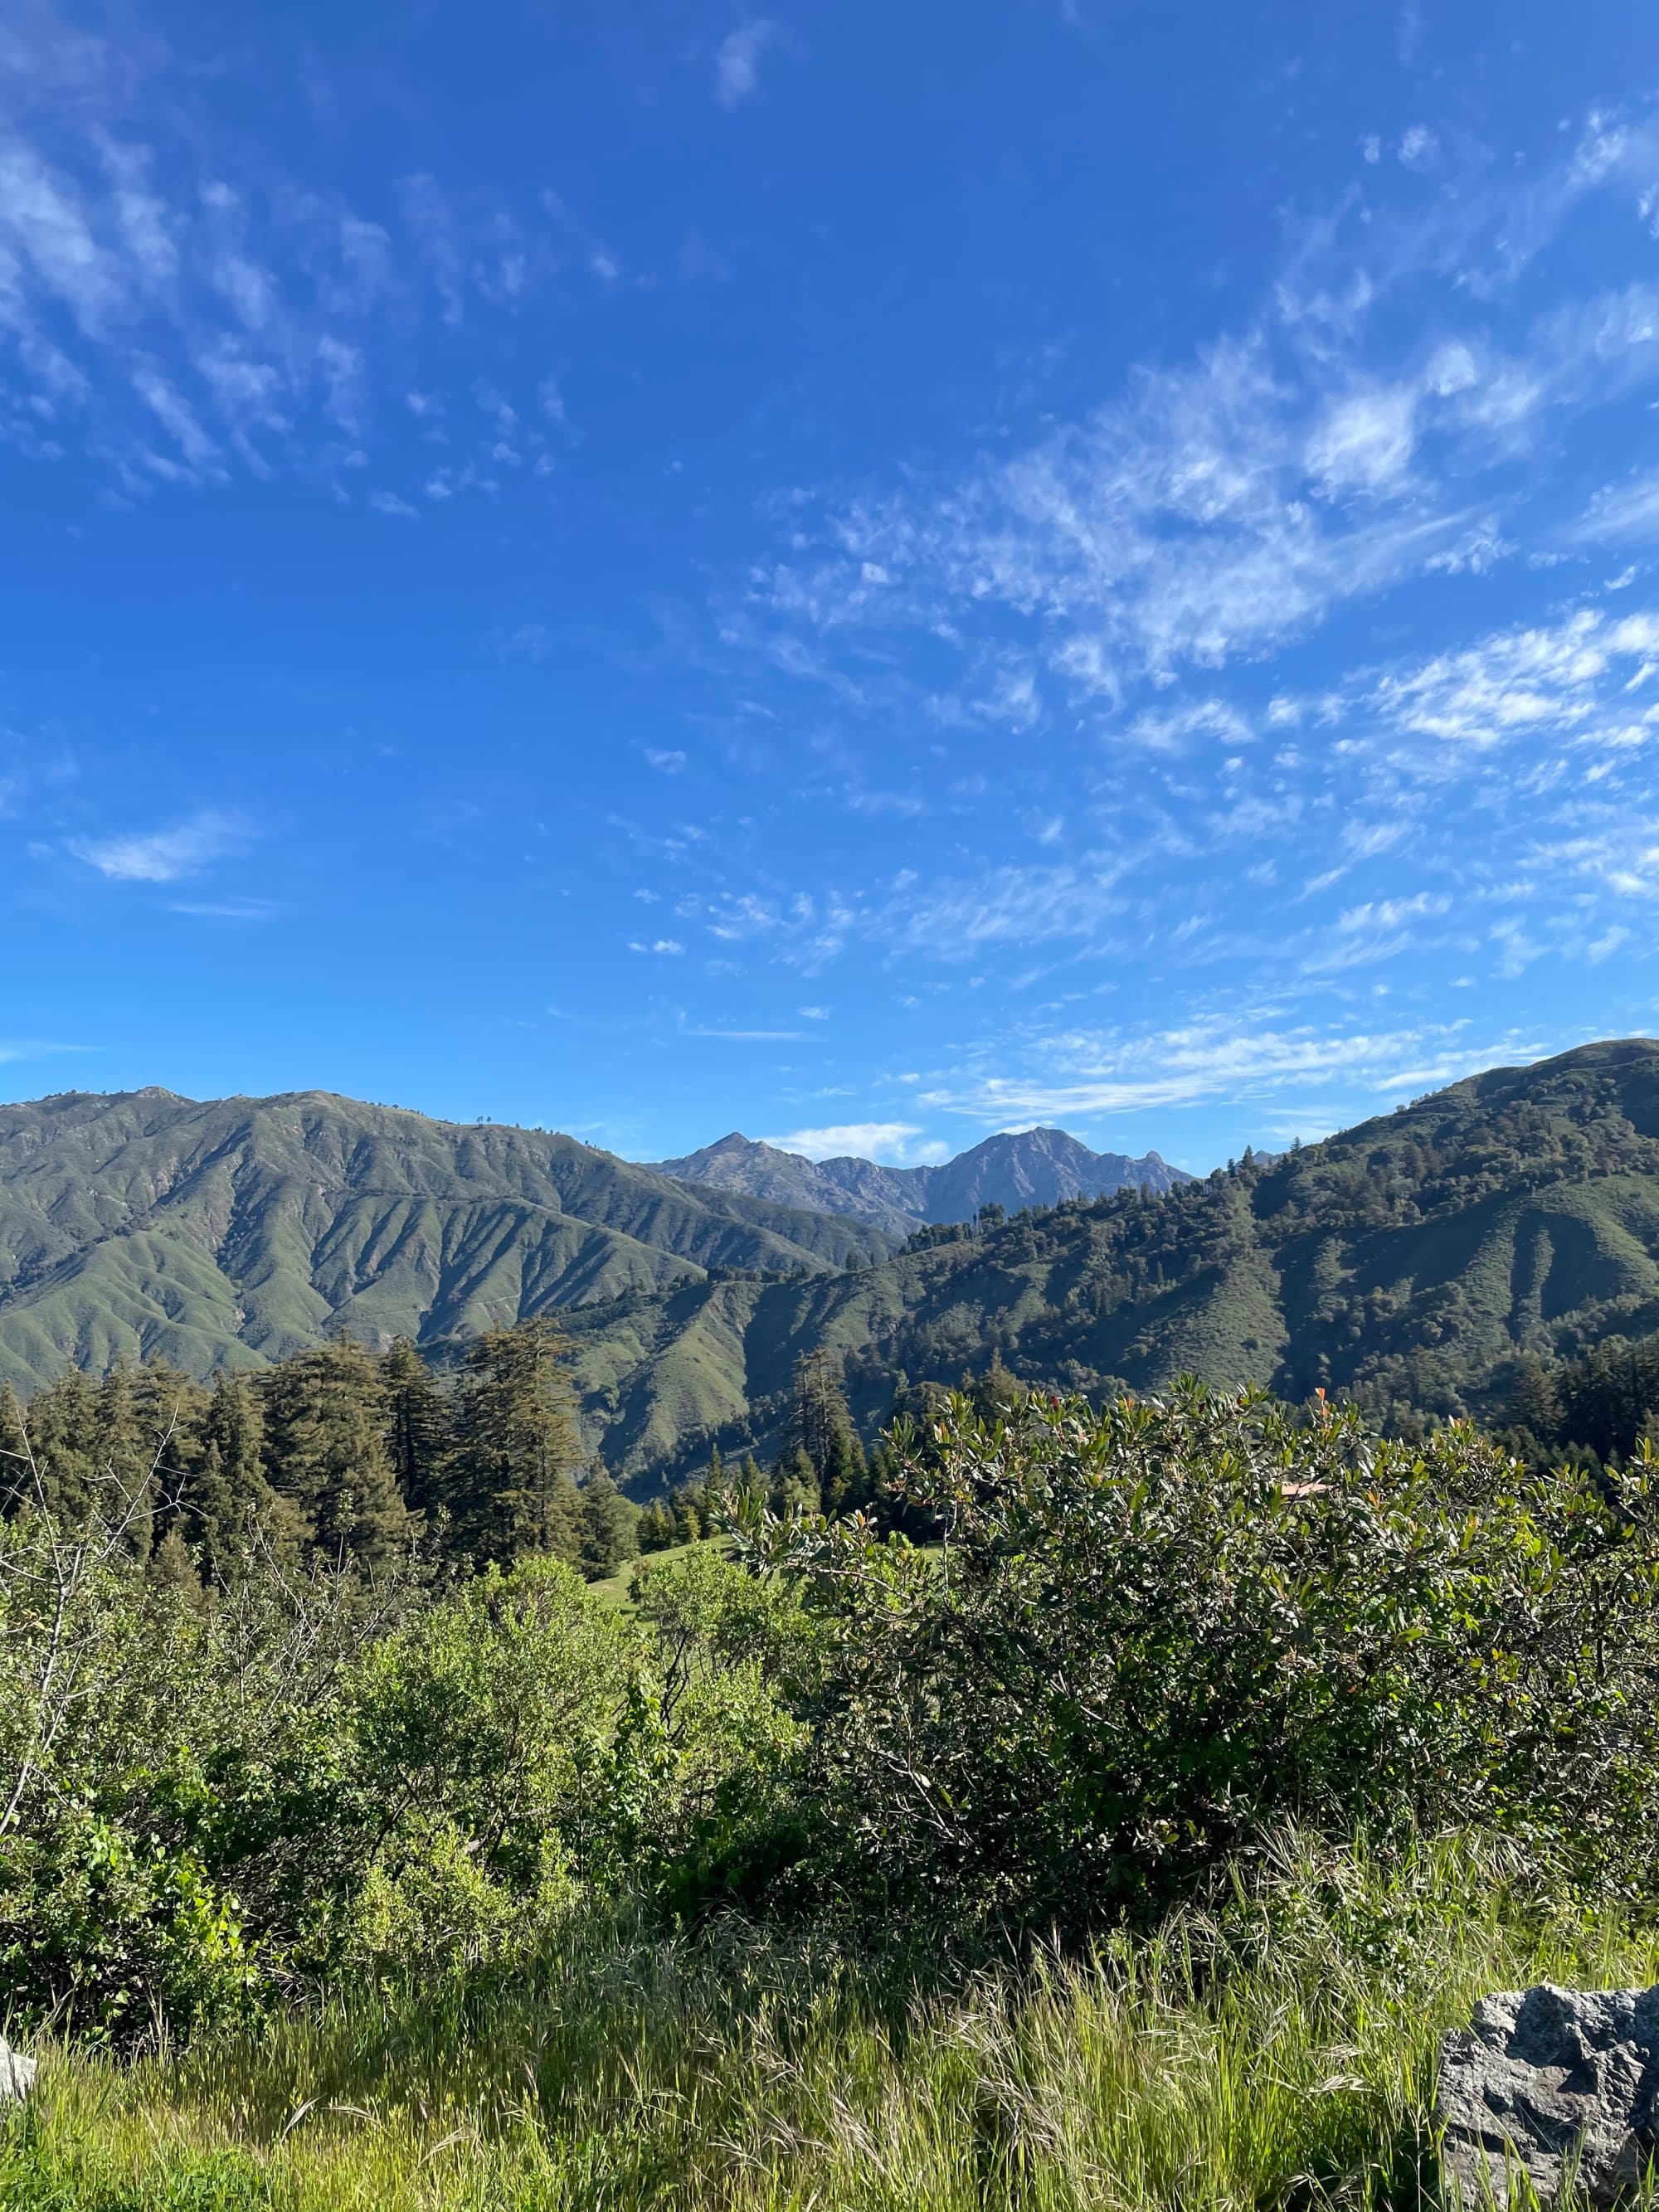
1588	676
1083	1073
161	856
226	909
18	1048
1621	512
178	307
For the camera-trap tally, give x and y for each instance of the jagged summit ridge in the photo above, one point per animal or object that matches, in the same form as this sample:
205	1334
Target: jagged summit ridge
1016	1169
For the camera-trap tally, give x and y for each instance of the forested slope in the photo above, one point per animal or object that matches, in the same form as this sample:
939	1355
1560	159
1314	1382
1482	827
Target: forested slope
1408	1261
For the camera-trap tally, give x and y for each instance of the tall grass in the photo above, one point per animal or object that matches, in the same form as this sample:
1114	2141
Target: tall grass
1276	2050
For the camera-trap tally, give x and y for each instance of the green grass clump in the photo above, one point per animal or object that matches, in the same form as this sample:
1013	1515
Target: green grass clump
1276	2049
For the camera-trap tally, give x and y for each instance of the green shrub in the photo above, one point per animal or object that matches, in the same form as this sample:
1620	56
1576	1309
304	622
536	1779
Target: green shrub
1156	1630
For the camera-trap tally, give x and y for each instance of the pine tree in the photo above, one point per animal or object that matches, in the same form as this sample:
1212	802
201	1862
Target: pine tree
995	1392
225	1504
170	1407
512	1488
658	1530
846	1480
824	1433
172	1566
610	1526
63	1440
795	1487
418	1434
327	1452
126	1461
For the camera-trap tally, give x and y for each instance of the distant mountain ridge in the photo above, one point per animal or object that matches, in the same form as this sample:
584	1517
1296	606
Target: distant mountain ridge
1412	1261
231	1232
1028	1167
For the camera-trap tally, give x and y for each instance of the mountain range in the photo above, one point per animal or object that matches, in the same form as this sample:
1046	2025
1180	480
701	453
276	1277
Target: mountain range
1032	1167
232	1231
1409	1261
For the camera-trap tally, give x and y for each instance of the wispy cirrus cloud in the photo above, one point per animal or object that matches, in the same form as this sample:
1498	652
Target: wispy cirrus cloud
737	64
1589	675
1218	508
181	308
234	910
1087	1072
18	1048
162	856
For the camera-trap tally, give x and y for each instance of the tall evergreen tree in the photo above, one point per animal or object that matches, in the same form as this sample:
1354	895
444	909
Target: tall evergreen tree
226	1504
658	1530
512	1488
824	1434
126	1461
795	1486
327	1452
62	1439
610	1525
171	1406
418	1426
16	1483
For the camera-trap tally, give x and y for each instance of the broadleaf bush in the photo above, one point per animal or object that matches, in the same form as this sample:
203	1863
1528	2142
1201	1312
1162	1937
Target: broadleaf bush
1149	1633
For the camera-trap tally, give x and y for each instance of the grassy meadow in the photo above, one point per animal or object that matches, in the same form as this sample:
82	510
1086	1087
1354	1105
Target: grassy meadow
1276	2051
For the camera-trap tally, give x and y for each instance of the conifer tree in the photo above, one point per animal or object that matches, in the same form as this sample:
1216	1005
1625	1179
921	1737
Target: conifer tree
795	1487
845	1483
824	1432
658	1530
125	1457
16	1484
170	1407
512	1488
227	1501
327	1452
61	1425
610	1526
418	1431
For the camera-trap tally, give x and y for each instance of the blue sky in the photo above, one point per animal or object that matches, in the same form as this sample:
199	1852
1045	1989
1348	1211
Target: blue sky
868	574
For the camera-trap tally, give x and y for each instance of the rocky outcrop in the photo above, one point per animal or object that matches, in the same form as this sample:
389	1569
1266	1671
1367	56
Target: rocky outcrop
16	2074
1562	2085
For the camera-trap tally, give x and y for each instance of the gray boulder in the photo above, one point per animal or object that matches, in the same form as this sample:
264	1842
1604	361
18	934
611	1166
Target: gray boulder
16	2074
1557	2084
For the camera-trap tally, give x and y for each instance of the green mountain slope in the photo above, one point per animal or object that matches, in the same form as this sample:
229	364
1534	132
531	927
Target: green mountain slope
232	1232
1408	1263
